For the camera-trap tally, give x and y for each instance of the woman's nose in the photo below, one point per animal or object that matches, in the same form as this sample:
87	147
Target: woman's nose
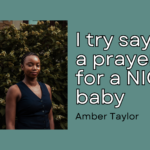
34	67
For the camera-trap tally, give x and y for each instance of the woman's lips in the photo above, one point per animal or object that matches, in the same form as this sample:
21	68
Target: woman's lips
34	73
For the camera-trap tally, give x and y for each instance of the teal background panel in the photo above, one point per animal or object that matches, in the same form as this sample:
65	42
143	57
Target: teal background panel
33	22
98	18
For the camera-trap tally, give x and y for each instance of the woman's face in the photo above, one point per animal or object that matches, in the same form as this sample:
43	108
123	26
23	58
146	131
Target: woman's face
31	66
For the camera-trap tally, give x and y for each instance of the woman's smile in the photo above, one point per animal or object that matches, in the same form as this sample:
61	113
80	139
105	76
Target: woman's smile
34	73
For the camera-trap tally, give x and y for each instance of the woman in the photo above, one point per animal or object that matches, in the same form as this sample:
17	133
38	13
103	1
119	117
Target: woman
29	100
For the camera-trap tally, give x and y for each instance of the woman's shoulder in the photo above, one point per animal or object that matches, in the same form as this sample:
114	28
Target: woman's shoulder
14	87
47	85
14	90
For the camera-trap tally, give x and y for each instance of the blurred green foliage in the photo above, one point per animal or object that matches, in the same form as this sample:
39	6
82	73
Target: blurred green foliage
50	43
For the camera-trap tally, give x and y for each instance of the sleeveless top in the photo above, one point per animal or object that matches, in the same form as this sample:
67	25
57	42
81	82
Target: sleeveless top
31	111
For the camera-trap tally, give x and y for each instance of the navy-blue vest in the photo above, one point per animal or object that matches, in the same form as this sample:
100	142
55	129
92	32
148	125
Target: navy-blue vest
31	111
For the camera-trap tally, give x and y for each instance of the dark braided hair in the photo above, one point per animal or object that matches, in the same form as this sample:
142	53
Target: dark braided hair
22	61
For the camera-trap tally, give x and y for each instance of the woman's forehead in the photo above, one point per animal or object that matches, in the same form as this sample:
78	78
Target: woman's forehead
32	58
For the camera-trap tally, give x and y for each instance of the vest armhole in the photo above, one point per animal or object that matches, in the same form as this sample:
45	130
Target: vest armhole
47	89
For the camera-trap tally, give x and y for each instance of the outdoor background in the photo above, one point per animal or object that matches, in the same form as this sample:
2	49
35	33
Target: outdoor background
99	18
48	39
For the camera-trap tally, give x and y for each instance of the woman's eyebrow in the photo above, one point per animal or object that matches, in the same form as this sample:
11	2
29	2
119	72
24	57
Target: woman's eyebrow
33	63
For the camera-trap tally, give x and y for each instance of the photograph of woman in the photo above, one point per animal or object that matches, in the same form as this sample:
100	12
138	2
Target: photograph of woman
29	99
33	75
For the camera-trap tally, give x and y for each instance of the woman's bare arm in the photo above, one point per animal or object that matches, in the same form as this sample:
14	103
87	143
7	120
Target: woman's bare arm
51	120
11	99
50	115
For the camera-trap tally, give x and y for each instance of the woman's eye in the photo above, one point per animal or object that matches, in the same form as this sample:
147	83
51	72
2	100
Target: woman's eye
30	65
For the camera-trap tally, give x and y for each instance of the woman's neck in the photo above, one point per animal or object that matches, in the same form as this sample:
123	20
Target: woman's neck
30	81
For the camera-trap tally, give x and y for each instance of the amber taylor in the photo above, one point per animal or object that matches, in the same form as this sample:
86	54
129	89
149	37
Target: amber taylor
112	116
